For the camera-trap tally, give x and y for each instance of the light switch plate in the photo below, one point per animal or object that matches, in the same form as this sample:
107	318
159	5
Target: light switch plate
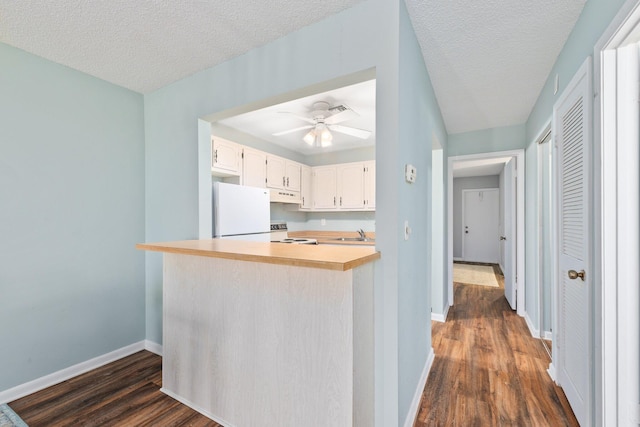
410	173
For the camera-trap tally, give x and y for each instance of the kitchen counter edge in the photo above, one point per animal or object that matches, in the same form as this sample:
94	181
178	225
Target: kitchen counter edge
313	256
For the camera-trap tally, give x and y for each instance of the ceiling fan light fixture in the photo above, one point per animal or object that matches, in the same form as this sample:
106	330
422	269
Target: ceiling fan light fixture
310	137
325	138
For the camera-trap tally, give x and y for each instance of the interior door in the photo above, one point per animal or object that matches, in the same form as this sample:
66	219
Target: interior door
480	236
508	240
572	125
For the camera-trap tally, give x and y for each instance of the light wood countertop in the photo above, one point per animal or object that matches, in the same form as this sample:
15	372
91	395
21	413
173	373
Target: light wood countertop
341	258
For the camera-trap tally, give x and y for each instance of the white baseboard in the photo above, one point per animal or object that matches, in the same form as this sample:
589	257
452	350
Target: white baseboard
153	347
552	372
441	317
548	335
532	329
41	383
195	407
410	420
458	259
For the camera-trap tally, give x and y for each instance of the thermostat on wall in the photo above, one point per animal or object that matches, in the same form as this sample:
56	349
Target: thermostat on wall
410	173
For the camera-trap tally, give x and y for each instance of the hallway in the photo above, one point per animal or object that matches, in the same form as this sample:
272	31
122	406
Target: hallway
488	370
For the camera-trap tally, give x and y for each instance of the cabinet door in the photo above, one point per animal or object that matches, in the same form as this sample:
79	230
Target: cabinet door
254	168
370	185
306	188
292	176
276	172
324	187
225	156
351	186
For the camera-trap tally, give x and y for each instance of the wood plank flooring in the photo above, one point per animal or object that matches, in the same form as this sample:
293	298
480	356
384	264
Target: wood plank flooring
122	393
488	370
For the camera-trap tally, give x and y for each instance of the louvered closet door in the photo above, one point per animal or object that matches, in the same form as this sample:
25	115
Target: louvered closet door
572	127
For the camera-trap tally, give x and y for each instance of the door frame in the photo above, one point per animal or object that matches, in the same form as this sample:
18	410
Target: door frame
520	229
467	190
616	335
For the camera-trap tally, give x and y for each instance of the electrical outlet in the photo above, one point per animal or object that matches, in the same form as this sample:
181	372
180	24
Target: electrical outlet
323	221
410	173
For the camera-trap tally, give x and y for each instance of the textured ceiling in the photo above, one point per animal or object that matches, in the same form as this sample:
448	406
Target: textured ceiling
488	60
143	44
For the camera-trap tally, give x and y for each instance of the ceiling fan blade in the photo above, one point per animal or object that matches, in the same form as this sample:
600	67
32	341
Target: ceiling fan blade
293	130
358	133
306	119
341	113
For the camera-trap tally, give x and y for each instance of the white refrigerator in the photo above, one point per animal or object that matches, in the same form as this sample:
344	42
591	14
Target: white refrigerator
241	212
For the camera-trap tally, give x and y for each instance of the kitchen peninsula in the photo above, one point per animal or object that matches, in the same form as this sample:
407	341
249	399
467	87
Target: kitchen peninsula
258	333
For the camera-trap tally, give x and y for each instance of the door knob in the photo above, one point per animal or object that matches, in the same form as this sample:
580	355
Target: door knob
503	238
573	275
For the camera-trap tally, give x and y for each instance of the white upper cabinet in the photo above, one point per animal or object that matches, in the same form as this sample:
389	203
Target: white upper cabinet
370	185
324	187
306	188
254	168
292	175
350	186
276	172
226	157
283	174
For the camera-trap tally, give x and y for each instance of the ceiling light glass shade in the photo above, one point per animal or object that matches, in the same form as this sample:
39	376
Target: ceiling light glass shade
310	137
325	138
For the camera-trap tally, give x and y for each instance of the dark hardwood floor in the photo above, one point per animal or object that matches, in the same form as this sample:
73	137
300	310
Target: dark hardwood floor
488	369
122	393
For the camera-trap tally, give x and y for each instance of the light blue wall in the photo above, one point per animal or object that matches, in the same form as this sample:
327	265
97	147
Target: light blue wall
360	38
419	118
595	17
487	141
71	212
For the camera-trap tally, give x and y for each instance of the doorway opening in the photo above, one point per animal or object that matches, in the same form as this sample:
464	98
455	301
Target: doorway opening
507	168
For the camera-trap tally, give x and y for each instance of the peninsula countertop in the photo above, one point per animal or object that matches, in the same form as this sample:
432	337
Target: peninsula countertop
340	258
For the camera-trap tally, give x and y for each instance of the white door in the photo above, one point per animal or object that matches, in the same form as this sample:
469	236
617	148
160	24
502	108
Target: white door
508	240
481	234
572	126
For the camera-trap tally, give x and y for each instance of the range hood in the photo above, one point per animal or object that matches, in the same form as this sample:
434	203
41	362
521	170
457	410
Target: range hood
284	196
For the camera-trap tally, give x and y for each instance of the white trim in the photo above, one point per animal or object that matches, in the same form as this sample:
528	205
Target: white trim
614	397
64	374
410	420
196	408
535	333
552	372
520	261
548	335
153	347
458	259
440	317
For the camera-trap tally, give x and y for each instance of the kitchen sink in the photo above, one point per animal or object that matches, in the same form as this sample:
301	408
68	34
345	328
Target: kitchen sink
354	239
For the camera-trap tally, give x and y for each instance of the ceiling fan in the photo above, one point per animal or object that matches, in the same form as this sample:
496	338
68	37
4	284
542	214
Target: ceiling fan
323	120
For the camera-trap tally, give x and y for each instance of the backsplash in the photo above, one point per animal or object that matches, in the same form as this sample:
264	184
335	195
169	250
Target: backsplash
334	221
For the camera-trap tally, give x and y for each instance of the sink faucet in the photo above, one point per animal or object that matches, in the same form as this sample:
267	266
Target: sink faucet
362	235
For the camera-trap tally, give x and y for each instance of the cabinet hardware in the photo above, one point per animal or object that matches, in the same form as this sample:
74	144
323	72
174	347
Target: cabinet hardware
340	200
283	181
334	200
215	156
287	181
